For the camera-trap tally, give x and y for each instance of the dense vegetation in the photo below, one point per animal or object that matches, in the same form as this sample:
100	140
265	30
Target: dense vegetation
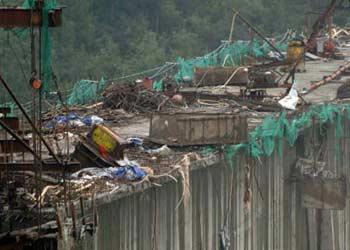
109	38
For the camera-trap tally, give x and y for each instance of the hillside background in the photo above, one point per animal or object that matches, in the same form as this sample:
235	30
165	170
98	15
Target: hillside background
111	38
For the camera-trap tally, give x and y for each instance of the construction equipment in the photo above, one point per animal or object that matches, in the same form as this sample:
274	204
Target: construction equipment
102	147
311	44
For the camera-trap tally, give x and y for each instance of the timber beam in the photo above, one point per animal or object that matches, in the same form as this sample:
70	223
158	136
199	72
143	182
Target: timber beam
26	18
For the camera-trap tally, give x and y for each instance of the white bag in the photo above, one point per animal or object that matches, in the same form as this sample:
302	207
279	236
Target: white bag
291	100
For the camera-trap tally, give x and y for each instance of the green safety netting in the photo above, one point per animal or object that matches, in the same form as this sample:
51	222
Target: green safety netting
270	134
86	91
158	85
230	54
10	105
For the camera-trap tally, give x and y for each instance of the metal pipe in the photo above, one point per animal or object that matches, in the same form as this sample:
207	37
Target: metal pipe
329	78
29	120
258	33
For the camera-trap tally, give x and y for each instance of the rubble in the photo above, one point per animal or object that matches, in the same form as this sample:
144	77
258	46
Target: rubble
136	99
217	109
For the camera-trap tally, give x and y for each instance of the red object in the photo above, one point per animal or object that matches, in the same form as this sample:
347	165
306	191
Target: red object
103	151
36	84
147	83
15	17
329	46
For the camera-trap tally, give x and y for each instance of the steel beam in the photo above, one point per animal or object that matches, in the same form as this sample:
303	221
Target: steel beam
53	167
26	18
258	33
31	123
19	139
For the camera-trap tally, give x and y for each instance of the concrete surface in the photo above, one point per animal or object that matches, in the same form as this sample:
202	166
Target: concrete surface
315	71
138	127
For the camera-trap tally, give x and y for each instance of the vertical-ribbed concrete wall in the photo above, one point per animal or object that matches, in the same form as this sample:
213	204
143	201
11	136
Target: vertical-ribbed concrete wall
152	220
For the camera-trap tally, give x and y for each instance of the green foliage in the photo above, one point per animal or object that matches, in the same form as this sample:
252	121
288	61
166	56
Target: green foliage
108	38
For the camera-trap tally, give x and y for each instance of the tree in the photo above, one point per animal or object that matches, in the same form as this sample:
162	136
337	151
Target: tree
109	38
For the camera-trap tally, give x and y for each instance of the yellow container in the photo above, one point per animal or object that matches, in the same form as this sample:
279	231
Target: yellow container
295	51
102	136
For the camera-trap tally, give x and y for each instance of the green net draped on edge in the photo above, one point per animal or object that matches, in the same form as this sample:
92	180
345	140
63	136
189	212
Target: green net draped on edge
229	54
270	134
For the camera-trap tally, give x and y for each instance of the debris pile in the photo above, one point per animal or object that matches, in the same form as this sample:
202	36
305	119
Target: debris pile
136	99
89	112
73	120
